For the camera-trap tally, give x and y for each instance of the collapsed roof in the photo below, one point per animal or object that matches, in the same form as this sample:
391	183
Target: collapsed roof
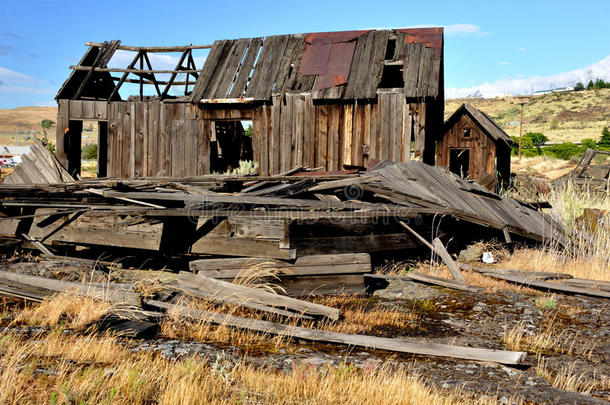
331	65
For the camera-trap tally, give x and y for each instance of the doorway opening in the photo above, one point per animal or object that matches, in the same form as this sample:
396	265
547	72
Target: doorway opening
231	146
86	146
459	162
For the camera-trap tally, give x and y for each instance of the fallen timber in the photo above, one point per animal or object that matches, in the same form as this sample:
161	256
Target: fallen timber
536	280
219	215
369	342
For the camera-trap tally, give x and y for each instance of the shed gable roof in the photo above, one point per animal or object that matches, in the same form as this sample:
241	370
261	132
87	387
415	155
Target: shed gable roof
484	122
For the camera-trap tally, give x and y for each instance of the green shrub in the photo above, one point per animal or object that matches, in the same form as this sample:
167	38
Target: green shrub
563	151
90	152
588	143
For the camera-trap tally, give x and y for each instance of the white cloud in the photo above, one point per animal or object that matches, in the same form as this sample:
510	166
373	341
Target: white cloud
463	29
503	62
528	48
527	85
15	82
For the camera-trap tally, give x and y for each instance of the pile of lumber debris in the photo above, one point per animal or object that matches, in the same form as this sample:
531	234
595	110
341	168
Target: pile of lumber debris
304	231
292	219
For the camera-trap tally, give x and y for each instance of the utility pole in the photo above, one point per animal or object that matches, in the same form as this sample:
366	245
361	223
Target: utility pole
521	128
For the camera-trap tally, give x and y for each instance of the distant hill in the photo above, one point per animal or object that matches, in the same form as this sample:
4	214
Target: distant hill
563	117
16	121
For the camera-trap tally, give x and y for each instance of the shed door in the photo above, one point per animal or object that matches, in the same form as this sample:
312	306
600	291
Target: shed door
459	161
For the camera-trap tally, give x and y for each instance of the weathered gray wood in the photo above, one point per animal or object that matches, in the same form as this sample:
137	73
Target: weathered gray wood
369	342
222	289
241	302
428	279
304	265
543	285
437	247
107	294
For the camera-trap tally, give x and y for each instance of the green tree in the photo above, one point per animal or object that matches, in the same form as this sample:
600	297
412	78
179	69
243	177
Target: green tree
537	140
604	142
248	131
590	85
46	124
579	86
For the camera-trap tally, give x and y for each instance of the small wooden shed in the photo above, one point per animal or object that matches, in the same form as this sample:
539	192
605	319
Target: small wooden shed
323	100
473	145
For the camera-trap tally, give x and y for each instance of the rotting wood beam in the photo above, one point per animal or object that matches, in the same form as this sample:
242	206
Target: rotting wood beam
221	289
369	342
539	284
180	48
437	247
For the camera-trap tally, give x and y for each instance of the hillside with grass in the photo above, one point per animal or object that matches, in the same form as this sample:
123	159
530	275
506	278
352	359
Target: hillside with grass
562	117
16	124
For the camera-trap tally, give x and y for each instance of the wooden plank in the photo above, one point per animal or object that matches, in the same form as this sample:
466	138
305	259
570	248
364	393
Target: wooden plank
90	229
406	131
347	137
437	247
427	279
239	301
298	131
214	58
275	150
333	137
335	284
370	342
309	132
221	289
397	110
243	247
239	87
304	265
322	141
384	110
376	64
286	141
227	73
267	82
539	284
595	284
104	293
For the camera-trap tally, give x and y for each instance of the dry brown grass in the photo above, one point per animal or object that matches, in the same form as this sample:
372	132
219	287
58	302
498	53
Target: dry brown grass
563	117
59	368
70	310
568	380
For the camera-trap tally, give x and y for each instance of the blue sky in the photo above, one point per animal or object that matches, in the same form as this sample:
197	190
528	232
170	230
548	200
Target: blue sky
495	48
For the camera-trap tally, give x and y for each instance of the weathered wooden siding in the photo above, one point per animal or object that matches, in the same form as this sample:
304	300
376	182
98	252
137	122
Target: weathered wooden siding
153	138
295	131
482	148
156	139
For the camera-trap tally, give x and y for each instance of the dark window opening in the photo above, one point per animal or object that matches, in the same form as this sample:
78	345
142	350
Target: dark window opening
230	143
391	77
390	49
459	162
467	133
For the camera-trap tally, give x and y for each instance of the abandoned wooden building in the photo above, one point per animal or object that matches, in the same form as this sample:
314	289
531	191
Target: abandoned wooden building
326	100
473	145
